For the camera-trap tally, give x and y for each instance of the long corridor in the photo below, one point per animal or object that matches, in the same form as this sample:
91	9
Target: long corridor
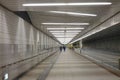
33	32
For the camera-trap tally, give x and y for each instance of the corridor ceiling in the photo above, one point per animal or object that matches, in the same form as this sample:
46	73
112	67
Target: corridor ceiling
67	19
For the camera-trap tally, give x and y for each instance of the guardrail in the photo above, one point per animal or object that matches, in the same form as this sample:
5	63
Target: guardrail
44	52
104	60
22	60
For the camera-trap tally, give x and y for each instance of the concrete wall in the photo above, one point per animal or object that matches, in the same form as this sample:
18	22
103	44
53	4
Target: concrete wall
106	44
21	45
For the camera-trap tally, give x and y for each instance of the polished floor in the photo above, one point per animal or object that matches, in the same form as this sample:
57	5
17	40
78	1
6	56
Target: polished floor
70	66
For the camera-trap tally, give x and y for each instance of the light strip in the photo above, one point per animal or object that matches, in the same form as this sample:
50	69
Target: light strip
72	31
73	13
75	31
65	23
75	28
63	28
64	36
68	4
57	31
64	33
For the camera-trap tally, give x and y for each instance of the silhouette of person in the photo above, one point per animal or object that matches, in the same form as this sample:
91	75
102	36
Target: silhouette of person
64	48
60	48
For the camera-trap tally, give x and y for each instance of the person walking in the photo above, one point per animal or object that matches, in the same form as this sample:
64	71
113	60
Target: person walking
60	48
64	47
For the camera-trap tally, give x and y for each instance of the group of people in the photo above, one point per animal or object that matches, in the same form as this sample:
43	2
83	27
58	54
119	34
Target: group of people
62	48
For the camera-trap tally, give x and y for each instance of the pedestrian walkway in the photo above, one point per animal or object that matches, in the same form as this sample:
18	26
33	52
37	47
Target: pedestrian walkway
71	66
68	66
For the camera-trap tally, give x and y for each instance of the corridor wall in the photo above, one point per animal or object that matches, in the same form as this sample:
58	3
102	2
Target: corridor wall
21	45
102	43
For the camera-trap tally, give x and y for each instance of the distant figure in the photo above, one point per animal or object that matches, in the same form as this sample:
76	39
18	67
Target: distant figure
60	48
64	48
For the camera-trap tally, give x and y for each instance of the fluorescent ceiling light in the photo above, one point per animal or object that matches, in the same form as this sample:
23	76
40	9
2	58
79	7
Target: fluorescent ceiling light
55	28
64	33
75	28
73	31
68	4
63	28
65	23
73	13
57	31
89	3
64	36
44	4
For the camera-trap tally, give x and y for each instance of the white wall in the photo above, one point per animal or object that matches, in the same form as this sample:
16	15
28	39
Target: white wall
19	40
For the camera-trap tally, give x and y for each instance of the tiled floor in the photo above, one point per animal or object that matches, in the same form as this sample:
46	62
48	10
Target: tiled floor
71	66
